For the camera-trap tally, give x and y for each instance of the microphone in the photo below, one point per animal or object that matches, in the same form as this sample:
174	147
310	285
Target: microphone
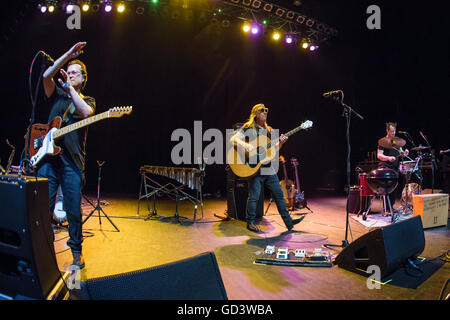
331	93
48	61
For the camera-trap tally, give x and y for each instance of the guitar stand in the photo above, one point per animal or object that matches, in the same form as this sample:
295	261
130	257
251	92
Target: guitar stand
98	207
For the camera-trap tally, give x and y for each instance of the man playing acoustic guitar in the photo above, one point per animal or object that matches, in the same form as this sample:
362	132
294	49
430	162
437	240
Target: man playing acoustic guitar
67	169
257	126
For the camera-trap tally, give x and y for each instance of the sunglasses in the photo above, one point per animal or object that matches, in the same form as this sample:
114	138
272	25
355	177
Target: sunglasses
263	109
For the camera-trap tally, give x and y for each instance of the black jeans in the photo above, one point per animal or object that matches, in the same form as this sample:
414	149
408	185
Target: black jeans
68	175
254	190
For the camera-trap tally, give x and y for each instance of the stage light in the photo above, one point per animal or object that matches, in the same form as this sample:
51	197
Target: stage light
51	8
155	1
43	8
305	44
69	8
276	36
85	7
313	47
246	27
140	10
289	39
121	8
108	7
255	29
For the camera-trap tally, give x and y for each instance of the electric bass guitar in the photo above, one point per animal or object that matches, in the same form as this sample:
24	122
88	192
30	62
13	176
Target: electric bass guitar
246	164
43	136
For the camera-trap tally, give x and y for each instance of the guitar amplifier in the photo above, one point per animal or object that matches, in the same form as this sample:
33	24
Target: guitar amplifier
237	194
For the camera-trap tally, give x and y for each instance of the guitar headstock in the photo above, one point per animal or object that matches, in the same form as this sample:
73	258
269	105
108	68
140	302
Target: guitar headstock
294	162
306	124
117	112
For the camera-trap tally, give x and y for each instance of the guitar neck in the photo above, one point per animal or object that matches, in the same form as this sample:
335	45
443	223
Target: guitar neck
290	133
80	124
296	179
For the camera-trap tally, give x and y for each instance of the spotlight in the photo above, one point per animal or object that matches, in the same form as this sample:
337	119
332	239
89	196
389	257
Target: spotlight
313	47
69	8
85	7
51	8
276	36
121	8
289	39
155	1
246	27
43	8
108	7
255	29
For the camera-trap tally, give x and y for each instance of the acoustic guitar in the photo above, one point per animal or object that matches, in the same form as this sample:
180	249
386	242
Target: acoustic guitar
246	164
299	196
43	136
287	185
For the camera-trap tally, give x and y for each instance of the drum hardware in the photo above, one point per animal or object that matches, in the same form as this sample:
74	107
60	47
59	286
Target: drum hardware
419	148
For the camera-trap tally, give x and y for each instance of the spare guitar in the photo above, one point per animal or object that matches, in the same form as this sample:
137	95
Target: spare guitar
246	164
299	196
43	136
287	186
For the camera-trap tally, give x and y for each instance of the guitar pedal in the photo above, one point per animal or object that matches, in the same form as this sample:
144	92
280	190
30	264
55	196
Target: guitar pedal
269	249
300	253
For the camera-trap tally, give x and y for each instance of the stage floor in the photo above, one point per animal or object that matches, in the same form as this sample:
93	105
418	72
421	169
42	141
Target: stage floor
142	244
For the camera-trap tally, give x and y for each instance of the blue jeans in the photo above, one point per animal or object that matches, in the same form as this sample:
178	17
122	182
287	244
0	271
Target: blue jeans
254	189
60	171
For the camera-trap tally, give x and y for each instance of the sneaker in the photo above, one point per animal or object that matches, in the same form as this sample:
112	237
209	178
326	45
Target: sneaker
252	227
294	222
78	259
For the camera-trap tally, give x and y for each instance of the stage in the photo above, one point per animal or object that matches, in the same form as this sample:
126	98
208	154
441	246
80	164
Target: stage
142	244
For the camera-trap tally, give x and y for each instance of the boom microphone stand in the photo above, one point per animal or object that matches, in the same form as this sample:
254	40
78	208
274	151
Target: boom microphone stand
346	112
98	207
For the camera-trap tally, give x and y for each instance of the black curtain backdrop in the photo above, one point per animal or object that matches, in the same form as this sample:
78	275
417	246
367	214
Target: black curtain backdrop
175	72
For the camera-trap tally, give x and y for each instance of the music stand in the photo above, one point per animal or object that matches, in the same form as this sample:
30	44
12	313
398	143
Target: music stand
98	207
346	112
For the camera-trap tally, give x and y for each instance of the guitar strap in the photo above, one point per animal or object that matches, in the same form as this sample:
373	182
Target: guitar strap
70	109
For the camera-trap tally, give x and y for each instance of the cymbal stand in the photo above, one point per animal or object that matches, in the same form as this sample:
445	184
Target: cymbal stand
98	207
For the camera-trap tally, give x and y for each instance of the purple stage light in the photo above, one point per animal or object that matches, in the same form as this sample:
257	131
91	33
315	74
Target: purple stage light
108	7
255	30
288	39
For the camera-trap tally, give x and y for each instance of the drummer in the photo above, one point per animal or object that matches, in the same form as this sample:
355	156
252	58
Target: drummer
389	152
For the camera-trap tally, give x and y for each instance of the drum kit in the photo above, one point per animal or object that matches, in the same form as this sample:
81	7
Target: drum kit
382	181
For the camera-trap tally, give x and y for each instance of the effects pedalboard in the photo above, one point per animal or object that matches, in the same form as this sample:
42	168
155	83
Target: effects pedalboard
284	256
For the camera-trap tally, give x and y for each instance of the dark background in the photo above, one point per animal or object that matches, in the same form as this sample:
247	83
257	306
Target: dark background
174	72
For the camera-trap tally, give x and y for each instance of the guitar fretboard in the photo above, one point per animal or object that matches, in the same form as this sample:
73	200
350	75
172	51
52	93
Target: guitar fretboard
80	124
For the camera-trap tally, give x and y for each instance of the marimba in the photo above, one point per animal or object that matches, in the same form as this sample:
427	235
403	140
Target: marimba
191	178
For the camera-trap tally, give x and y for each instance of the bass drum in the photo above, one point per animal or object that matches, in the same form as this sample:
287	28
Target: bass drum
409	191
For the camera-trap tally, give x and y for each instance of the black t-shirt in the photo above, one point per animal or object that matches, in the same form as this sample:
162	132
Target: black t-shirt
73	143
390	153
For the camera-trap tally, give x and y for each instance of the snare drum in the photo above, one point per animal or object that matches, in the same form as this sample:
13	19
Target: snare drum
407	167
364	190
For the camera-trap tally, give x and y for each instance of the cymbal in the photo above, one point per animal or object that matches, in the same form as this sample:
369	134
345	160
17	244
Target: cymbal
390	143
419	148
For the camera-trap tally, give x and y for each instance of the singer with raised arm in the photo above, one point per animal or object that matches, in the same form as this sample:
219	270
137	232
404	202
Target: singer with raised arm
67	169
255	127
389	153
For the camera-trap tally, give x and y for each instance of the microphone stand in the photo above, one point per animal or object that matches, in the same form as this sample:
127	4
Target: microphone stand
346	112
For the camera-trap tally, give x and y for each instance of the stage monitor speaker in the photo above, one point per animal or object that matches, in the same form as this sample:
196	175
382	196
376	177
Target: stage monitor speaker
196	278
237	194
28	266
387	247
